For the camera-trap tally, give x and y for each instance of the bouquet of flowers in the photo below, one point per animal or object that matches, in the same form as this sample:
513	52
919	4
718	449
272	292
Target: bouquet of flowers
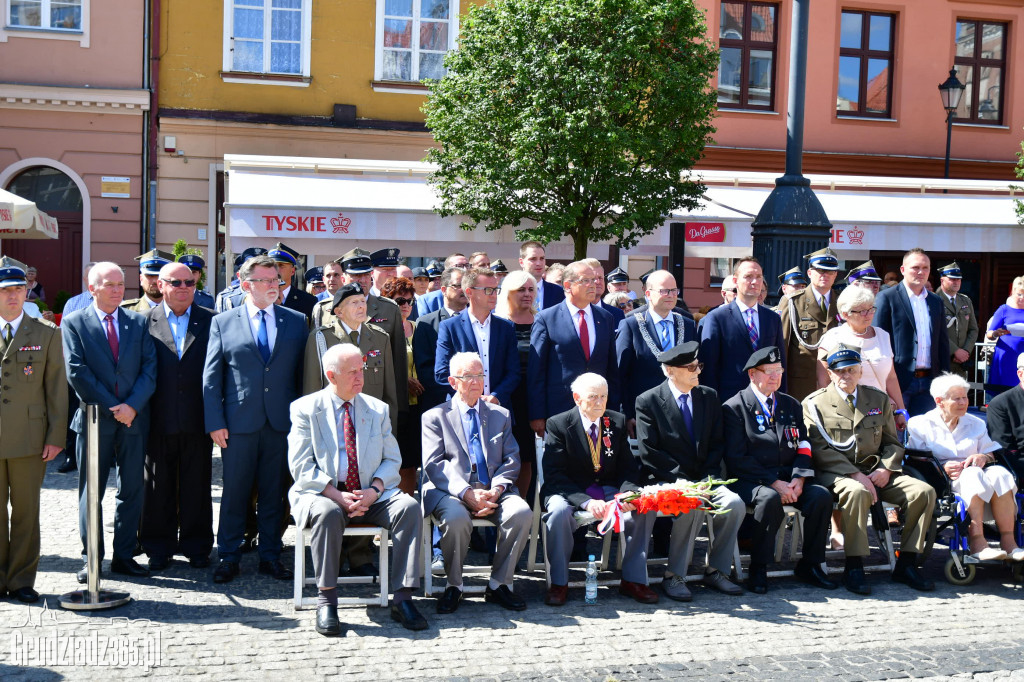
672	499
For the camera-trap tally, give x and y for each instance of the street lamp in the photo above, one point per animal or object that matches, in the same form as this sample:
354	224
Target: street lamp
950	91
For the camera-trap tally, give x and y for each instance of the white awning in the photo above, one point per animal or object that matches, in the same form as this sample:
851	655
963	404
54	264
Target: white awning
21	219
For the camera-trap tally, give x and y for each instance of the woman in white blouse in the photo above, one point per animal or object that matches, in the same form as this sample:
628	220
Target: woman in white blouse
960	442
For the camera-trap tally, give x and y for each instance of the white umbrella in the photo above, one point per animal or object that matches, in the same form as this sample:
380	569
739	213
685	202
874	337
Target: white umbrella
20	219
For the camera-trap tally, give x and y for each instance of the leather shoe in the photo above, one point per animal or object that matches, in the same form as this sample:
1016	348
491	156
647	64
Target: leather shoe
225	571
812	574
717	581
199	561
83	574
275	569
128	567
638	592
757	580
159	563
675	588
406	613
327	623
855	582
908	574
505	598
557	595
449	601
68	465
26	595
248	545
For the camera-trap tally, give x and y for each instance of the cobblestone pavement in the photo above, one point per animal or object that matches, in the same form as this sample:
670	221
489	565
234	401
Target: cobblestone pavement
190	627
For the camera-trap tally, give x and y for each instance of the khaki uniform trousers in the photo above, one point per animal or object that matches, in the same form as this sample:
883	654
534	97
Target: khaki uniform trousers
914	497
21	479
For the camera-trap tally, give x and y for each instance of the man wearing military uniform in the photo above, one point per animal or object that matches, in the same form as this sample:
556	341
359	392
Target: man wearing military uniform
856	454
961	322
33	421
865	276
806	316
790	282
291	297
149	273
315	281
196	264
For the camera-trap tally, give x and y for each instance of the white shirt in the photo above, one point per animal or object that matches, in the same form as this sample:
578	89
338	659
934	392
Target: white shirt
284	294
970	437
15	323
574	313
656	321
482	332
103	319
763	399
923	325
743	313
254	322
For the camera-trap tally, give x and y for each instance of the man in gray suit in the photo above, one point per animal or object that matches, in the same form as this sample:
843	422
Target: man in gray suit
345	462
470	464
111	361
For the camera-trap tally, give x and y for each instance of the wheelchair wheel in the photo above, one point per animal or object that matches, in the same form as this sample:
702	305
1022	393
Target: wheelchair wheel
954	577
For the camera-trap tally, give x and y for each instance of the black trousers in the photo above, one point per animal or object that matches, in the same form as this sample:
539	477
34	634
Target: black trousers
815	503
177	510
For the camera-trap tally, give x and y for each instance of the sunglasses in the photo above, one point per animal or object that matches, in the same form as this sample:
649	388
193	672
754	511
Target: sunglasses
180	282
402	300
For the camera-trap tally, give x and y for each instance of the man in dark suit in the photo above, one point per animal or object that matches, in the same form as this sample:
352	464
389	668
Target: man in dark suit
291	297
679	430
111	361
424	342
734	330
1006	420
533	259
914	318
767	450
641	337
587	461
252	374
177	511
567	340
641	304
478	331
434	300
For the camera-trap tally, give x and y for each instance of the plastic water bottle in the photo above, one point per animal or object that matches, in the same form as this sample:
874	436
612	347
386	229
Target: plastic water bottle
591	594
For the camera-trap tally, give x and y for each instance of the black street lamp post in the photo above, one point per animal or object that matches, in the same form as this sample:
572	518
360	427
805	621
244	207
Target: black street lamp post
950	91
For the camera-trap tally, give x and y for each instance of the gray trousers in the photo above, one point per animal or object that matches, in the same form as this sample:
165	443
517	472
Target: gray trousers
686	527
400	514
561	524
512	517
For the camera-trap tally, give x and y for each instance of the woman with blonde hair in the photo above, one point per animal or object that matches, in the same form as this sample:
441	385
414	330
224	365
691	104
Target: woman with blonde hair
1006	328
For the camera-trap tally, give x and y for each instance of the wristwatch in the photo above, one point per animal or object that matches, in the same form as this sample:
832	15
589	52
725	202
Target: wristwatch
378	490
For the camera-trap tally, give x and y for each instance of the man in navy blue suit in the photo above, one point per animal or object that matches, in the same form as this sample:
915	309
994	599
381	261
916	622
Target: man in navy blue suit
731	332
435	299
111	361
252	374
424	342
915	321
533	259
567	340
476	330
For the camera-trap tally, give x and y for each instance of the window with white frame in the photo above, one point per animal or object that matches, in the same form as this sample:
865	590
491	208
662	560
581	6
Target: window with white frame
267	36
58	15
413	37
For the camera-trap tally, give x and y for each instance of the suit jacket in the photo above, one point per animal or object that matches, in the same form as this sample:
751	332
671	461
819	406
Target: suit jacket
180	379
636	345
429	302
300	301
424	352
877	444
241	393
961	323
446	460
456	335
34	409
94	375
760	451
568	466
313	443
667	453
725	347
1005	420
556	359
894	314
803	321
204	299
553	293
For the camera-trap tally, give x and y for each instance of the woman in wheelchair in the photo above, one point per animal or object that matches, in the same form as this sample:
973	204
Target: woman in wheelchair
960	443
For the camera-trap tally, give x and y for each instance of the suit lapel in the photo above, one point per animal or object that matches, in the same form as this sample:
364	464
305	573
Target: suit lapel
467	329
190	331
737	317
242	320
675	418
328	429
93	326
161	328
362	423
563	312
455	421
904	299
282	325
127	337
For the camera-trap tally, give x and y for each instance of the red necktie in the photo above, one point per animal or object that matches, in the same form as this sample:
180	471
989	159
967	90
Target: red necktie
352	479
584	335
114	345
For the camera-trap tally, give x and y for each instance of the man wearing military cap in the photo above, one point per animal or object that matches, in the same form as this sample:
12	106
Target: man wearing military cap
149	273
434	271
195	263
33	421
793	280
292	297
420	281
767	450
865	275
961	322
499	269
857	454
385	266
315	281
806	316
618	280
233	295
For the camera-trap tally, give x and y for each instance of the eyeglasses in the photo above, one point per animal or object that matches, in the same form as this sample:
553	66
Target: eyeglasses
693	367
189	283
274	280
772	372
623	306
584	280
470	377
457	287
869	311
729	291
675	292
402	300
488	291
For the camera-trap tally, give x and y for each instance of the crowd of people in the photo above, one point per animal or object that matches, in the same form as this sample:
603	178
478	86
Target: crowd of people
383	394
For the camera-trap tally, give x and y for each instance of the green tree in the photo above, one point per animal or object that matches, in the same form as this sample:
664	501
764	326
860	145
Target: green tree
1019	170
182	248
582	115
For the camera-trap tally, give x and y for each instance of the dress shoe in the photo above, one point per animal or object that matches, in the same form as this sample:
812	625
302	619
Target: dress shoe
68	465
159	562
26	595
855	581
638	592
449	601
199	561
128	567
83	574
757	579
505	598
406	613
908	574
716	580
225	571
275	569
675	588
812	574
327	623
557	595
367	570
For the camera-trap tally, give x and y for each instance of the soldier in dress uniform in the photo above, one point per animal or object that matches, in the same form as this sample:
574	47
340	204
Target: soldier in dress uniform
149	273
292	297
315	281
499	269
865	275
790	281
385	266
857	454
196	264
961	322
806	316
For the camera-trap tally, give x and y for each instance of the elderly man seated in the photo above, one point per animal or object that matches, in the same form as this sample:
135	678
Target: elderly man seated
855	453
961	444
345	461
470	464
587	460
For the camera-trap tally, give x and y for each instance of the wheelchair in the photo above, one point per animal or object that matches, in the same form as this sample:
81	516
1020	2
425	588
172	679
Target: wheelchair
951	514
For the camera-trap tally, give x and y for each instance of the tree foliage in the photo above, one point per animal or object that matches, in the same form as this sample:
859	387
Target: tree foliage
1018	205
182	248
581	115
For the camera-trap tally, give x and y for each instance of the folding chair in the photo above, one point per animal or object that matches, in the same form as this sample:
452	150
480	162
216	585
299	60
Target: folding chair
302	541
428	558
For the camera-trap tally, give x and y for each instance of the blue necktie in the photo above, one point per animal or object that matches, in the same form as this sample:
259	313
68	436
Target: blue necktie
664	334
262	340
687	417
476	449
751	328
